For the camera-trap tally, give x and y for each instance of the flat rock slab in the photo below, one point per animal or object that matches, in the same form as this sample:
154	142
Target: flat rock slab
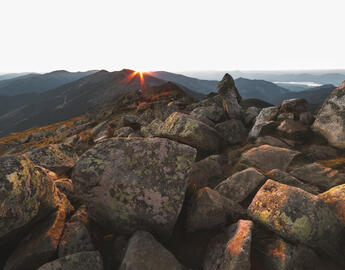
185	129
299	217
132	184
78	261
145	253
267	157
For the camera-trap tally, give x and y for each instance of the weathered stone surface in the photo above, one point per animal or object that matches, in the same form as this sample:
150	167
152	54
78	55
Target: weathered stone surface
66	186
268	157
294	130
271	141
240	185
24	191
264	119
123	132
213	113
131	184
300	217
207	172
278	254
76	237
320	152
182	128
230	97
151	130
319	175
295	105
101	127
145	253
306	118
287	179
231	250
330	121
40	245
78	261
208	209
58	158
335	199
285	116
233	131
250	115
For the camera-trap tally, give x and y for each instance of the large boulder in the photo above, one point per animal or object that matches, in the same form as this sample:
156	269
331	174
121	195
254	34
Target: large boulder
241	184
214	113
295	105
299	217
231	250
131	184
266	157
58	158
264	122
294	130
145	253
208	209
319	175
183	128
230	97
233	131
77	261
26	192
330	121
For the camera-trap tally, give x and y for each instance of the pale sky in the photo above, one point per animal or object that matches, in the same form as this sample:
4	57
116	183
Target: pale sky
177	35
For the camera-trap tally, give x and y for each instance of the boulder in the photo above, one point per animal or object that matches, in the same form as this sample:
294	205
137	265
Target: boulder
335	199
321	152
240	185
264	121
231	250
295	105
207	172
131	184
250	115
266	157
214	113
233	131
101	127
123	132
78	261
330	120
285	116
145	253
27	192
230	97
182	128
294	130
208	209
299	217
59	158
40	245
288	179
151	130
319	175
306	118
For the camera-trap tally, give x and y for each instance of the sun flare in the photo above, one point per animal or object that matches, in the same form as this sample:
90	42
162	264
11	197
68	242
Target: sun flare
141	75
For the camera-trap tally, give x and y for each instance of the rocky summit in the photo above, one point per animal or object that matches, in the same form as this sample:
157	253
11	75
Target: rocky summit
160	179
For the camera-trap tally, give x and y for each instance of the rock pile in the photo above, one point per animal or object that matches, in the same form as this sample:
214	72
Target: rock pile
161	181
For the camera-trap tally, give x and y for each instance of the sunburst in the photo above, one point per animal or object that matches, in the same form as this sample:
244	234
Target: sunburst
141	75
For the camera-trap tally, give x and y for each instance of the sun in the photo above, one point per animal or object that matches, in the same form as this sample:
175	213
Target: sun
141	75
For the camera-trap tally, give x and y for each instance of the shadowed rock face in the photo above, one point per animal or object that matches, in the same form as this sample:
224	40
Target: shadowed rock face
330	121
299	217
131	184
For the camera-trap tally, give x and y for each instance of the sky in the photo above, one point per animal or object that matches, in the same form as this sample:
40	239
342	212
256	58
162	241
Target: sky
188	35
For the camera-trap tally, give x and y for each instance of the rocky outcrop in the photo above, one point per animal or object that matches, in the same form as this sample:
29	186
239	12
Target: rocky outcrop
330	121
145	253
58	158
300	217
231	250
131	184
230	97
182	128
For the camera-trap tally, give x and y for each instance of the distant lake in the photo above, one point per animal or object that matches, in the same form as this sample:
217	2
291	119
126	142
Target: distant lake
309	84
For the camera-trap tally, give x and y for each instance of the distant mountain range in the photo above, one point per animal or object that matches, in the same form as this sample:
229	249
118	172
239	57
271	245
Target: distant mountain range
8	76
38	83
43	99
